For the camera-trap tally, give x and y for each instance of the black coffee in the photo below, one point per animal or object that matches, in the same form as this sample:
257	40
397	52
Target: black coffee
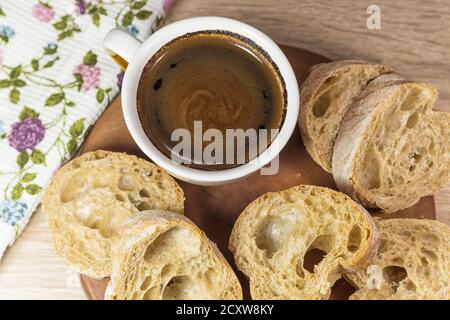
218	78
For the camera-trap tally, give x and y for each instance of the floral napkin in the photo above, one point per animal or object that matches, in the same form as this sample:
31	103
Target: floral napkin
55	80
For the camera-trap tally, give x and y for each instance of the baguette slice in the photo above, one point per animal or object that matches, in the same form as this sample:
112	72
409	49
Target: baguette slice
92	195
164	256
413	262
392	148
271	238
326	95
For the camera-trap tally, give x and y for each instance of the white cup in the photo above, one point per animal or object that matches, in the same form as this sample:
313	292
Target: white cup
136	54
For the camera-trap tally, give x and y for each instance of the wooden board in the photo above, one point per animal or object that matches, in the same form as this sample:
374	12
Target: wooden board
214	209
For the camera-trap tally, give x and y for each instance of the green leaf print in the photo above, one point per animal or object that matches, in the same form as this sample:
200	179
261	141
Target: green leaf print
14	95
35	64
22	159
90	58
65	34
72	146
19	83
16	192
27	113
15	72
66	27
37	156
143	14
5	83
50	63
100	96
49	51
61	24
28	177
127	19
54	99
96	19
33	189
138	5
77	128
79	78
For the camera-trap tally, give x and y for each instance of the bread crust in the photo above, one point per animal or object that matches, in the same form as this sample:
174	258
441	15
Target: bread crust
141	230
358	127
79	235
242	243
310	90
413	262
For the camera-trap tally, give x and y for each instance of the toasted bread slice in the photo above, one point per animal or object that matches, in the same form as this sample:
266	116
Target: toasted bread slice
164	256
92	195
326	95
392	148
274	234
413	262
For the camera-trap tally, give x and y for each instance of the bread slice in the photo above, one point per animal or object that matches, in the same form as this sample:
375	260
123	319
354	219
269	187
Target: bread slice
392	148
164	256
92	195
326	95
275	233
413	262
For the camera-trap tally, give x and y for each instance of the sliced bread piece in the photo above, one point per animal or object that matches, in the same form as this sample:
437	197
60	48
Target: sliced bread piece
164	256
413	262
326	95
93	194
272	238
392	148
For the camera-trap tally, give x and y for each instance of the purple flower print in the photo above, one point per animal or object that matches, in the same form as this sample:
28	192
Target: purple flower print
120	79
43	13
166	5
90	75
26	134
80	7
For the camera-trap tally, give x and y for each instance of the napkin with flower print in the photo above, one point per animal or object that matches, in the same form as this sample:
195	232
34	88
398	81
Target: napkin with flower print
55	80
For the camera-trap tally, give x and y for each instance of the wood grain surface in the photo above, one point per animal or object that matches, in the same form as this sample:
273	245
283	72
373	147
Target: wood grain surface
413	39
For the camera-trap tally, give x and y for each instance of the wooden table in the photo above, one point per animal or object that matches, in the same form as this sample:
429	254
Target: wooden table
413	39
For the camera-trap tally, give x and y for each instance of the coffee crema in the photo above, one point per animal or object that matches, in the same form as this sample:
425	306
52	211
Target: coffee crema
219	78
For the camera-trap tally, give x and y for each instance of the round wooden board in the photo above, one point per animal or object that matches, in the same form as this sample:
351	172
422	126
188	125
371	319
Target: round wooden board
215	209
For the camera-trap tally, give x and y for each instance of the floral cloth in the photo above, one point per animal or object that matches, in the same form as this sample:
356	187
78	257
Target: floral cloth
55	80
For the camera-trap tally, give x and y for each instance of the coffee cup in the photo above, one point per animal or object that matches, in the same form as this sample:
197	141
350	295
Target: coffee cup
134	55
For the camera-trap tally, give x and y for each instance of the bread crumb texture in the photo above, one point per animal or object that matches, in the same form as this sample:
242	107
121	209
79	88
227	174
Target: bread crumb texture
295	244
164	256
413	262
392	148
326	95
91	196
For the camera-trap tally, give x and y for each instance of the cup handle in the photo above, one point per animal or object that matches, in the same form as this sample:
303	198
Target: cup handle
121	46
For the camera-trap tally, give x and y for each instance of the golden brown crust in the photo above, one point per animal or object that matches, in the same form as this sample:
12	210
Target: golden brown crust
319	131
185	257
92	195
413	262
279	226
392	149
